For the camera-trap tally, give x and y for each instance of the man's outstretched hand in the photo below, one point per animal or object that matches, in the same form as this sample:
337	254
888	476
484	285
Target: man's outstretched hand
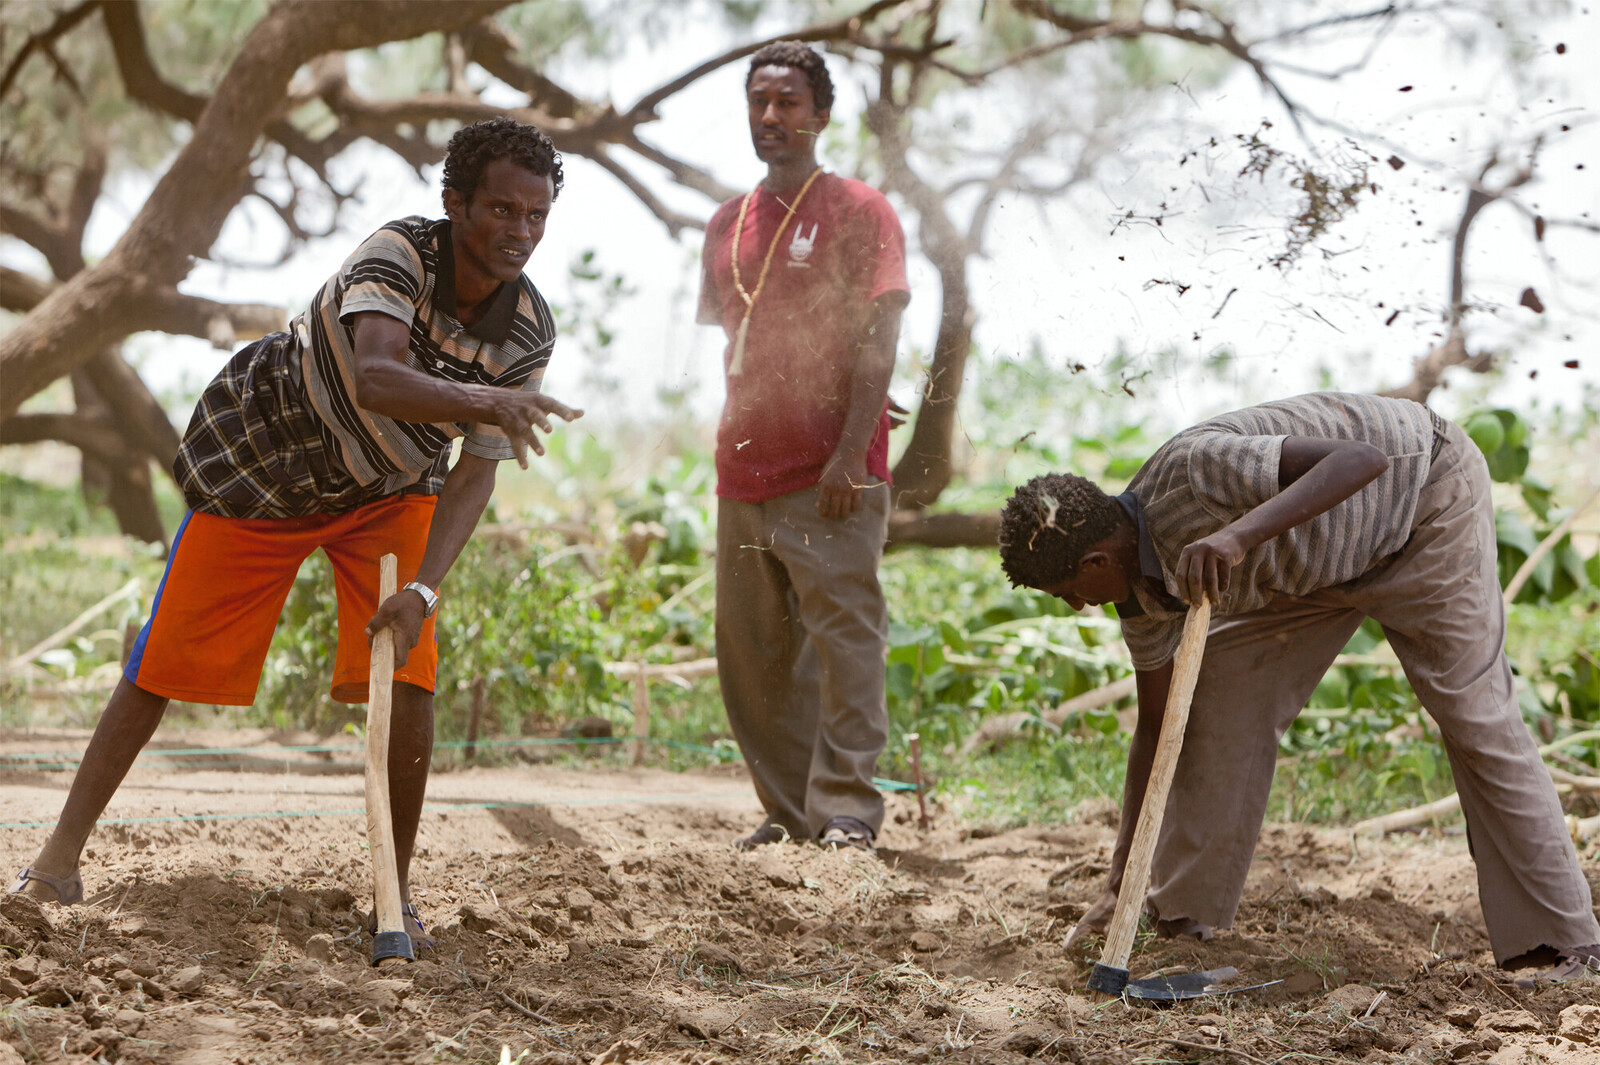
1094	922
520	413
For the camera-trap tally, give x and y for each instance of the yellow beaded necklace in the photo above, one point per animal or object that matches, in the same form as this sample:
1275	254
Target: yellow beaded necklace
736	367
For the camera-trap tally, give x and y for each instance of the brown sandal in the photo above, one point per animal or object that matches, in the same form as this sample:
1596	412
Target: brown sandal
68	889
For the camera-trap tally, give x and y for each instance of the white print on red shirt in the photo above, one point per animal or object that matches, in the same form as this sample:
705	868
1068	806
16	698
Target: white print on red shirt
801	246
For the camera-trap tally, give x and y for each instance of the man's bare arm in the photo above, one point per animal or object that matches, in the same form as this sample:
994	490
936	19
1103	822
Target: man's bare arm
385	385
846	472
466	491
1314	476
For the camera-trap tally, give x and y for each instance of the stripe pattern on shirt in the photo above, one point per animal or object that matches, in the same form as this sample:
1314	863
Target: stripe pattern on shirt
405	270
278	434
1209	475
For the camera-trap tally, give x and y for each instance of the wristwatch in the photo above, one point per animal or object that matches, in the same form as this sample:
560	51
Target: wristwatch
430	598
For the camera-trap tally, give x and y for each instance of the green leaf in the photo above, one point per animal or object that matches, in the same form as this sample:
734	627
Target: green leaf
1508	464
1511	531
953	637
1536	494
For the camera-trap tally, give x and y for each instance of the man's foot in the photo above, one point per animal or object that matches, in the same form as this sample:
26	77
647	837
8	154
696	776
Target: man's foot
67	890
847	832
768	832
1567	964
1184	926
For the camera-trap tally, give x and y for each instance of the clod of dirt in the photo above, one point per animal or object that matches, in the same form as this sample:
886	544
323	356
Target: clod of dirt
1354	999
620	1051
188	981
1463	1016
320	947
580	904
10	1055
1509	1021
25	970
380	995
128	980
925	942
27	915
714	957
1580	1023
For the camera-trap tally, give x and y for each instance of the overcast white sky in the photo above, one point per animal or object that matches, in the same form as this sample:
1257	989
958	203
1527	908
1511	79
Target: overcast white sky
1078	284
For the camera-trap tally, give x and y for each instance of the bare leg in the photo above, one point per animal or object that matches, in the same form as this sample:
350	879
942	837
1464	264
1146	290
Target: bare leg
130	719
410	752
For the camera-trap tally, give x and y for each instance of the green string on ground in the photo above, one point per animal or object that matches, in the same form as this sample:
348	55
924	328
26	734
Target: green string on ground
65	761
361	812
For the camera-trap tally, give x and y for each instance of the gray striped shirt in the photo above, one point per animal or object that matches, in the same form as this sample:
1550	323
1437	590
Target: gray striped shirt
1209	475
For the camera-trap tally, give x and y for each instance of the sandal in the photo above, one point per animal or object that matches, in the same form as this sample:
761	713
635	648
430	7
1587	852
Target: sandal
847	832
420	940
68	889
768	832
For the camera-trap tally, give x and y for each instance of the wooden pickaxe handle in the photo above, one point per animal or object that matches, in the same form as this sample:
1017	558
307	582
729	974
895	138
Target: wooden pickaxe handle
391	941
1136	873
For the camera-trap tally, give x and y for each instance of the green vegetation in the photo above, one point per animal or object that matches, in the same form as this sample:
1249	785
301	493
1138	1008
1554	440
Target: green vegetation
598	566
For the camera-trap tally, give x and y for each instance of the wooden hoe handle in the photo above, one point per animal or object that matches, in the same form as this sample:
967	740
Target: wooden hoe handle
391	944
1136	874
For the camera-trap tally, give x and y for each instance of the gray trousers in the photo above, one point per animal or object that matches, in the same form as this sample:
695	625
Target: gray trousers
1439	602
802	634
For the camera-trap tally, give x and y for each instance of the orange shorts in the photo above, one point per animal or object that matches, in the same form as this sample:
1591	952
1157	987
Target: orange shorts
225	586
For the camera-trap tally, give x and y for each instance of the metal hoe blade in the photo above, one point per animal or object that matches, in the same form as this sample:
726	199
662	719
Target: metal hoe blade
1171	988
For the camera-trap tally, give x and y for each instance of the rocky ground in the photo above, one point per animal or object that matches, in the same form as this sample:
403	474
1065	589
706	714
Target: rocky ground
599	915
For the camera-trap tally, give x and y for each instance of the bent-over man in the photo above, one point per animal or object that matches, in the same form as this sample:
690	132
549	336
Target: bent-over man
338	435
1300	518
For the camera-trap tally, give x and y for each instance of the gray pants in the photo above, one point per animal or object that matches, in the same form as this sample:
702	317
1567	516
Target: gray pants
1439	603
802	633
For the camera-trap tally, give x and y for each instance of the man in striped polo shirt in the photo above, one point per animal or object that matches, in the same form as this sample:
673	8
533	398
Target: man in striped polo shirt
338	435
1298	519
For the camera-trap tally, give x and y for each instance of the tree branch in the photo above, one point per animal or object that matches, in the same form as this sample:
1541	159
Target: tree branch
44	40
847	27
96	439
674	221
169	311
495	50
691	177
184	213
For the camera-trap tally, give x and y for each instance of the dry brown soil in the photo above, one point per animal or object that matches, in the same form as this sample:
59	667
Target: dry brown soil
607	920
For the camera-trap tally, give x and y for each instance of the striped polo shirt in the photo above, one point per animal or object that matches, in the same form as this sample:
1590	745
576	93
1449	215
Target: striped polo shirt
278	432
1209	475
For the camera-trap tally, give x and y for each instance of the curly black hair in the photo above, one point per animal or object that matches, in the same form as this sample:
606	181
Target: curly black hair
1048	525
802	57
472	148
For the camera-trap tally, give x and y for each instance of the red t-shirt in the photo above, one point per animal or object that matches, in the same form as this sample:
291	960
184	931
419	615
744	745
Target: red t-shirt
785	412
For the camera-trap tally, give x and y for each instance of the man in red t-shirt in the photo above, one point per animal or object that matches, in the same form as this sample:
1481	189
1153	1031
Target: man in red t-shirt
807	275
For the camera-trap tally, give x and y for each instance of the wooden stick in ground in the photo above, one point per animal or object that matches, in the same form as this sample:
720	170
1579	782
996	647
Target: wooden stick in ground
475	718
391	945
1136	874
915	741
1376	827
641	713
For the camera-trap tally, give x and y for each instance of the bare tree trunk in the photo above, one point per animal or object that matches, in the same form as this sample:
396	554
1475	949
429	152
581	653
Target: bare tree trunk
111	394
926	465
921	529
186	210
